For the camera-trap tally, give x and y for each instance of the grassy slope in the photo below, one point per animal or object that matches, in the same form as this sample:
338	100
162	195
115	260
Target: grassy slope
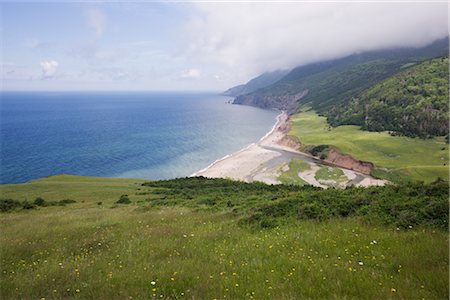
107	251
414	158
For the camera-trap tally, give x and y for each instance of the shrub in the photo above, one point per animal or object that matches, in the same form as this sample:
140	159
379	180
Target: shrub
39	202
318	149
310	211
9	204
124	200
27	205
66	201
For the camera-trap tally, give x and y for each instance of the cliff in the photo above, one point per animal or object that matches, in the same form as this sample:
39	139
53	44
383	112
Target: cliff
288	103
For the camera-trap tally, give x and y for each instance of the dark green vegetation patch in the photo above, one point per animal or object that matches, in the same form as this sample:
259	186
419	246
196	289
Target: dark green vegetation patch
266	205
413	102
7	205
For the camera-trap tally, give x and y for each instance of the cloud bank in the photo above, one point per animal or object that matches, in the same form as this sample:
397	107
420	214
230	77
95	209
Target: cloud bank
258	37
48	68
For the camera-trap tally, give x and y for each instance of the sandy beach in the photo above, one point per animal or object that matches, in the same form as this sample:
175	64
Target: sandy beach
265	161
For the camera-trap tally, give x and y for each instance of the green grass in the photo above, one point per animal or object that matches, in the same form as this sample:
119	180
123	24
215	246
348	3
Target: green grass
84	189
412	158
291	175
192	251
330	173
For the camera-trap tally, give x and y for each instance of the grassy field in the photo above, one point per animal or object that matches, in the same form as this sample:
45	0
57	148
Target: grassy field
178	241
291	175
329	173
412	158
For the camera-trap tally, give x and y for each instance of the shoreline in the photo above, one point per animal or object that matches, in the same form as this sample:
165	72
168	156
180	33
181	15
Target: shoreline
244	164
268	158
274	127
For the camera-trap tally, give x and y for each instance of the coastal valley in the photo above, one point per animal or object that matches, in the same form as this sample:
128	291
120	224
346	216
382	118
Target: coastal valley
346	197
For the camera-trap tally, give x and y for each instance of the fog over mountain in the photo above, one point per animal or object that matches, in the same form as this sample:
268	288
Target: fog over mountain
256	37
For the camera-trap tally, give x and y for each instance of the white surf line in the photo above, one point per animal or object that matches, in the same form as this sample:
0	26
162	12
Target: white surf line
241	150
223	158
277	123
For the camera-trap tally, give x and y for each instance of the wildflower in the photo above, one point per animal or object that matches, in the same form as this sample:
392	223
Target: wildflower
172	279
77	290
152	283
393	290
360	263
237	284
153	289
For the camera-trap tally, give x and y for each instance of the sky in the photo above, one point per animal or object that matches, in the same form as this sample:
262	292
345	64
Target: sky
192	46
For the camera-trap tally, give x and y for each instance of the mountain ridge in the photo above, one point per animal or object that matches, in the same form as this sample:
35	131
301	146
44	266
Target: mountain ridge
256	83
327	84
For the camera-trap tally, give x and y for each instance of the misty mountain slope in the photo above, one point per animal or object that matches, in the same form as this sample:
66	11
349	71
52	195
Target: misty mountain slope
256	83
413	102
325	84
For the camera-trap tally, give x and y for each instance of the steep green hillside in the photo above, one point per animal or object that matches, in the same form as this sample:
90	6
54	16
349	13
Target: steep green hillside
203	239
413	102
332	82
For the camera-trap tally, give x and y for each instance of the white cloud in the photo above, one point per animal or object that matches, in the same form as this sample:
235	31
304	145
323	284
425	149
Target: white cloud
263	36
96	20
48	68
191	74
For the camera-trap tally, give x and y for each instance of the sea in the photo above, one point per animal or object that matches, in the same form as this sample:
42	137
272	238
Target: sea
149	135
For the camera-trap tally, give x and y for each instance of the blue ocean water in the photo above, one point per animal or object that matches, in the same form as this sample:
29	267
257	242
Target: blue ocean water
136	135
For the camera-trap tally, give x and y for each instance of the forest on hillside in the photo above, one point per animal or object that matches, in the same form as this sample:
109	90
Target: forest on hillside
413	102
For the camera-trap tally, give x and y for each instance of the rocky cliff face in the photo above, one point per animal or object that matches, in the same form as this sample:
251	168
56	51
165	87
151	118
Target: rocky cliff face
288	103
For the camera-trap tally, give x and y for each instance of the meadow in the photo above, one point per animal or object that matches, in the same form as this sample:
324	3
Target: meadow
406	158
219	239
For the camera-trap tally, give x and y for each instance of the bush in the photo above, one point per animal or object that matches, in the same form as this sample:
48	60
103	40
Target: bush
124	200
9	204
66	201
39	202
318	149
310	211
27	205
